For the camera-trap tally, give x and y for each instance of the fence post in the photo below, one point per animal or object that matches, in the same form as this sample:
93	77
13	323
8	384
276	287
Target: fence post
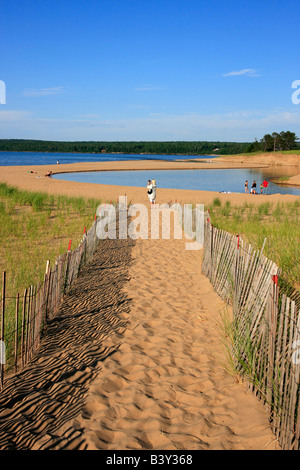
33	314
2	343
16	332
211	249
272	326
27	326
23	328
48	280
66	273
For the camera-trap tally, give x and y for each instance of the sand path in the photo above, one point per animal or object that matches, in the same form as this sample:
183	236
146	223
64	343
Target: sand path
134	360
166	387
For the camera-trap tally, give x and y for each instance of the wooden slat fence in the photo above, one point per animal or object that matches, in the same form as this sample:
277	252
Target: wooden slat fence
39	303
265	325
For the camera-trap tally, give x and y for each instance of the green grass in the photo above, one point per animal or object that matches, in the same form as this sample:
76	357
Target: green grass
278	223
291	152
249	154
282	179
35	227
239	352
260	152
217	202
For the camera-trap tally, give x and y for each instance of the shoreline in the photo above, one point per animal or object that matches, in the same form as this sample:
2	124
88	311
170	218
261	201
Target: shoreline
32	178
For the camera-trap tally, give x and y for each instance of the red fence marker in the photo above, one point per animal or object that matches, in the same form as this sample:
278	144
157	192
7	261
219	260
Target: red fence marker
69	247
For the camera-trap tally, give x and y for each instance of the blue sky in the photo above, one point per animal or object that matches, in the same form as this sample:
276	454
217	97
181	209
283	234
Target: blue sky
149	70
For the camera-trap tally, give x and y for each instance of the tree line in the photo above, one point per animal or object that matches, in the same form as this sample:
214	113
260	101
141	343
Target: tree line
156	148
269	143
275	142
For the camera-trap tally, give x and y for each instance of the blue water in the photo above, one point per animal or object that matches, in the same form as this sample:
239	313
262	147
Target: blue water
231	180
209	180
45	158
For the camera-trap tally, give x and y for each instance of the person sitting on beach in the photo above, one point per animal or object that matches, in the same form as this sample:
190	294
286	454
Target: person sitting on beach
49	174
153	193
246	187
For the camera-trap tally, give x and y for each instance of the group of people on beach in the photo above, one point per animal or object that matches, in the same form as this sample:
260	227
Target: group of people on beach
263	187
151	191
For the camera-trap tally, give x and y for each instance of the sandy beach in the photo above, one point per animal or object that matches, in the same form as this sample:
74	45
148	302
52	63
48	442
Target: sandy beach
135	359
33	178
179	332
167	386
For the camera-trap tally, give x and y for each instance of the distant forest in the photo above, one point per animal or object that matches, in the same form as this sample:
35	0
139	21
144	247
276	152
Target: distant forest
158	148
275	142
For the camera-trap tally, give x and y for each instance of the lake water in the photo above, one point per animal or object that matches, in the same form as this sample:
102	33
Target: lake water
209	180
231	180
47	158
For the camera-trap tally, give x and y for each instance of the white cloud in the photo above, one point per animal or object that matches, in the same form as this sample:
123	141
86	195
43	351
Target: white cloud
248	72
7	116
43	91
243	125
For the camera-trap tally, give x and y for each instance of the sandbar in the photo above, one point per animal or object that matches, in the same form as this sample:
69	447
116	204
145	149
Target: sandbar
33	178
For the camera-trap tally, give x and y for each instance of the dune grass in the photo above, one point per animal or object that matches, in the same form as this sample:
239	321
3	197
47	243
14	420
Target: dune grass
260	152
291	152
35	227
278	223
